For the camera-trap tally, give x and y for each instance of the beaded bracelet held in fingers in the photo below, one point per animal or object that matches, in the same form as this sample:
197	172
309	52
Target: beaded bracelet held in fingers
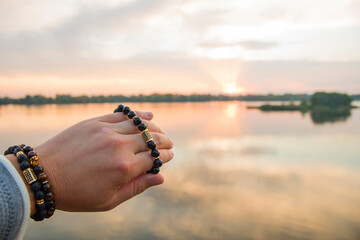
145	134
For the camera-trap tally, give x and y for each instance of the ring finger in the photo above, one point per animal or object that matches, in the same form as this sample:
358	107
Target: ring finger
144	161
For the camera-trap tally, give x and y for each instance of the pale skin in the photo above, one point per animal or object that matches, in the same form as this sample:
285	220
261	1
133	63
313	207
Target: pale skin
99	163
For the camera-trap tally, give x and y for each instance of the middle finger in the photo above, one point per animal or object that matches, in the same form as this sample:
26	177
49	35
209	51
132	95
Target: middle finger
128	127
139	145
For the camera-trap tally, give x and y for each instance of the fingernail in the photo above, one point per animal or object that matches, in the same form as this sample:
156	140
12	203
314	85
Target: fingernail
150	114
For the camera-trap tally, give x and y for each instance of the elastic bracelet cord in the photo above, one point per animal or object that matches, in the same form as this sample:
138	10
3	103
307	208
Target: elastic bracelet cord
145	134
36	178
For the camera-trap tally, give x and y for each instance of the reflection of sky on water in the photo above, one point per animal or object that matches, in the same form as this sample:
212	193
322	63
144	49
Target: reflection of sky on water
237	174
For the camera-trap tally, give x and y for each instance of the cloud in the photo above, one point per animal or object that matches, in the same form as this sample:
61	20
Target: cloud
251	45
75	41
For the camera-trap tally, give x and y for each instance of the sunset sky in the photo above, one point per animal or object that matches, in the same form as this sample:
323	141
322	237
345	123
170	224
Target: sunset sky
178	46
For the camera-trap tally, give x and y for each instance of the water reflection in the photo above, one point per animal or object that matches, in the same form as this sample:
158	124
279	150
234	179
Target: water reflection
237	174
327	115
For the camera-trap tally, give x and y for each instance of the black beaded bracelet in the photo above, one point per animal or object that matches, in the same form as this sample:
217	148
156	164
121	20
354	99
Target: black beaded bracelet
146	135
36	178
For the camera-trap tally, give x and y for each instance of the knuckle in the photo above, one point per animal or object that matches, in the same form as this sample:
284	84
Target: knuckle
162	141
156	128
124	167
157	138
119	141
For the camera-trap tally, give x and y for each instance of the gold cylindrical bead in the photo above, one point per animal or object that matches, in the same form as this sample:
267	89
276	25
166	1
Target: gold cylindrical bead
20	152
39	202
146	135
29	175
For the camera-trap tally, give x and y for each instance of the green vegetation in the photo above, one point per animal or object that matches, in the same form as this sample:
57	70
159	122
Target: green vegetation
331	100
304	98
68	99
323	114
323	107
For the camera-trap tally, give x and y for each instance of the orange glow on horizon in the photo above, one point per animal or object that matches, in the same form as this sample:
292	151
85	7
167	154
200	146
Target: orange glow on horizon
232	88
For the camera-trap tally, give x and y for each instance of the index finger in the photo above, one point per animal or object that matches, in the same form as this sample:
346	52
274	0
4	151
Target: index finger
119	117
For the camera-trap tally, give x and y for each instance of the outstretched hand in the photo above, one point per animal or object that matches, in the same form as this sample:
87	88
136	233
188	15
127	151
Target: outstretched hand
99	163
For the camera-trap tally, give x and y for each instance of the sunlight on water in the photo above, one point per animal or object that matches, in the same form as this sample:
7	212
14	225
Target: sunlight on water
237	174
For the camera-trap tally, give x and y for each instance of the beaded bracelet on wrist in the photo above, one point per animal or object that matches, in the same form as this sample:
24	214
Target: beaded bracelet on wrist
145	134
36	178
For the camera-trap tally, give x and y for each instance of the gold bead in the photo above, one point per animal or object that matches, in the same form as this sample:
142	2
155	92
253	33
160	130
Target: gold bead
44	182
18	153
39	202
34	158
34	163
146	135
29	175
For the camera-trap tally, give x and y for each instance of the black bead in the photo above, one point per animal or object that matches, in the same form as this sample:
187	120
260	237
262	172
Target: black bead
137	120
42	213
49	215
155	153
12	148
51	209
27	149
7	152
40	207
42	177
154	170
31	154
39	195
158	163
24	165
49	204
151	144
142	126
22	158
35	186
16	150
38	169
49	196
119	108
39	216
46	187
126	110
131	114
22	146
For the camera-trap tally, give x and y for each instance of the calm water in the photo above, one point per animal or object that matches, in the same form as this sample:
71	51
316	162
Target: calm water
237	174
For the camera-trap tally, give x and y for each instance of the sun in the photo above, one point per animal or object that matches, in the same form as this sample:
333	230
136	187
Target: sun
232	88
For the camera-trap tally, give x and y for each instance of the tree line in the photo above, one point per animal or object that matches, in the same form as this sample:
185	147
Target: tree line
69	99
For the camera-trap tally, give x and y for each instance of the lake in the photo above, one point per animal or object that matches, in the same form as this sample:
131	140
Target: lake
238	173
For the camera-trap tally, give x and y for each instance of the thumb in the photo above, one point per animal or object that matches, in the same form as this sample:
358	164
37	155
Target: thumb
138	185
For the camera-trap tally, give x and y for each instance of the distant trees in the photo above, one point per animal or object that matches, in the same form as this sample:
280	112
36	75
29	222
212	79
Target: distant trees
323	107
68	99
330	99
333	99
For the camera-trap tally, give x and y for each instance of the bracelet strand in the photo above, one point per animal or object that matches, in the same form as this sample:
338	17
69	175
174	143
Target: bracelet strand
36	178
157	163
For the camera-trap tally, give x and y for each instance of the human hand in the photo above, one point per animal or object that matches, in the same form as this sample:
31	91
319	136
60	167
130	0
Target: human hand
99	163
